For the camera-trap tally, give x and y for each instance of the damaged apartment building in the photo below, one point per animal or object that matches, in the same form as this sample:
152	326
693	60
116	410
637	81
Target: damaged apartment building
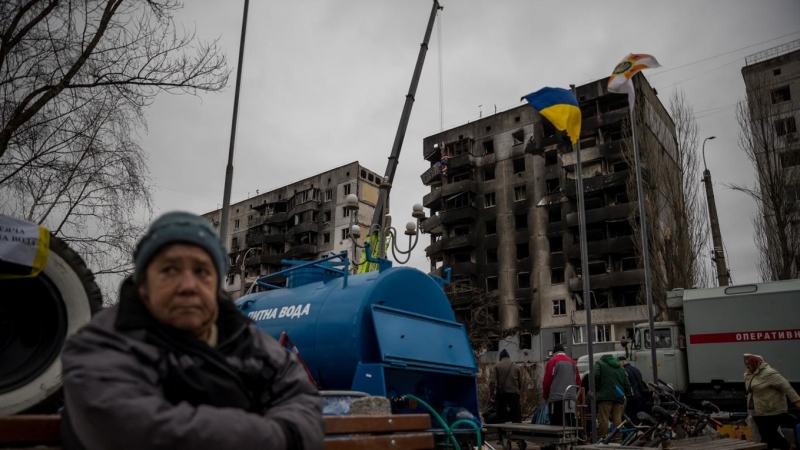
305	220
503	218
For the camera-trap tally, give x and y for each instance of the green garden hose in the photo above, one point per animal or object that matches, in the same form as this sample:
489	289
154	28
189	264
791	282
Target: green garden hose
449	429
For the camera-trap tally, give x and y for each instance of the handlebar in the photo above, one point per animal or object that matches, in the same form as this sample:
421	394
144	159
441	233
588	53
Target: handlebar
710	407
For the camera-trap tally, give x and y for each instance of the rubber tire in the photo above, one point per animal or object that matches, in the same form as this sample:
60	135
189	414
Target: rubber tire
82	299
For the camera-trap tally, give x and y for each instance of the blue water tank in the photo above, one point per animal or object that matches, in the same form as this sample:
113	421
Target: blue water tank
397	316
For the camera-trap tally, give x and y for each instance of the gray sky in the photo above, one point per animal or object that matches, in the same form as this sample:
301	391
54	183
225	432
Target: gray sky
324	84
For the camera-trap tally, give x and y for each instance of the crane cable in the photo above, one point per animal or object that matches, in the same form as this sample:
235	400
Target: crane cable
441	82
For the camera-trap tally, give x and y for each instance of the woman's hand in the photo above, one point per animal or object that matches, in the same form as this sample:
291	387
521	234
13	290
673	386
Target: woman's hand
797	404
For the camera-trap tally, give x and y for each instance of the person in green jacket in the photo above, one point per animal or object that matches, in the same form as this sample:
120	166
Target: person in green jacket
608	375
767	391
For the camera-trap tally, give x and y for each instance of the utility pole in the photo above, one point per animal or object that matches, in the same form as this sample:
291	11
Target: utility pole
716	235
226	196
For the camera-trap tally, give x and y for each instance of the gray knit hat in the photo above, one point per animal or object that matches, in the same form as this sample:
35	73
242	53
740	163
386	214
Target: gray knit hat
179	227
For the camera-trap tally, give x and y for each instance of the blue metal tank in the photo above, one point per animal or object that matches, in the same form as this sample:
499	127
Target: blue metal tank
389	332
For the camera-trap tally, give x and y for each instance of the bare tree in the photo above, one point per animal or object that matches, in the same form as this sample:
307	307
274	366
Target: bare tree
766	124
481	315
74	79
676	210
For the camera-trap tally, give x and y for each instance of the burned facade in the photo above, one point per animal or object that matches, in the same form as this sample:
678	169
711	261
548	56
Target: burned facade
503	218
772	81
305	220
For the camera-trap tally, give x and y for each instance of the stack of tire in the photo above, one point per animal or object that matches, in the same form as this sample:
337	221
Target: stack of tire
37	314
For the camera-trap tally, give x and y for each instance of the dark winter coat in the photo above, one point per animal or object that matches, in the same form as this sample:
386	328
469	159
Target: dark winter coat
635	379
506	377
131	383
608	373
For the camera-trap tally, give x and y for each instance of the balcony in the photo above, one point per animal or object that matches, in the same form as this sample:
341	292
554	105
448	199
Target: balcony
255	221
304	250
606	246
457	242
252	261
434	248
609	280
462	214
597	183
457	162
463	268
275	218
432	175
273	238
433	199
602	214
274	259
433	224
253	240
299	229
458	187
310	205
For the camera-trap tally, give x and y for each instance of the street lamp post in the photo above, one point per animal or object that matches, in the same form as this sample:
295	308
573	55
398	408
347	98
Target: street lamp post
716	234
242	269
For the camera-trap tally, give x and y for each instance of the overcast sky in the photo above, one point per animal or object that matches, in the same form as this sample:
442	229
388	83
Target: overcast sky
325	81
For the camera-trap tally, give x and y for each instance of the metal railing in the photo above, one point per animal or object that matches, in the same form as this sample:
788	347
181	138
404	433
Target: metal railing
773	52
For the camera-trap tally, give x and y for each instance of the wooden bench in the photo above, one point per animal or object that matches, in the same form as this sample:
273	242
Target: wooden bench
407	431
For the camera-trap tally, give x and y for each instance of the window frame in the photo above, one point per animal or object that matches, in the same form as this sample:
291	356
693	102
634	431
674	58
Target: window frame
608	332
559	304
486	197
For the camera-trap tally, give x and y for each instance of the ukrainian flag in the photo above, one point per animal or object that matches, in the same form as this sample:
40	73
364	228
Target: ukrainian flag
560	107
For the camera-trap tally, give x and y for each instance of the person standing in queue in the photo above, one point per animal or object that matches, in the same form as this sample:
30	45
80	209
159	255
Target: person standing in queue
561	372
507	382
636	400
609	376
175	365
767	392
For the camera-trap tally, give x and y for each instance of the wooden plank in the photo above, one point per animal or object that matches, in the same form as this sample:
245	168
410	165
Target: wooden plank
603	447
26	429
409	441
376	424
724	444
531	427
688	441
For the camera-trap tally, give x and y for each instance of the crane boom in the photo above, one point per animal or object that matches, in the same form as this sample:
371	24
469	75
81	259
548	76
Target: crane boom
391	167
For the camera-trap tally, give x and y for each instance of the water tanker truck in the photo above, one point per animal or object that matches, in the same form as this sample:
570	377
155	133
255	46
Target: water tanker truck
701	356
389	333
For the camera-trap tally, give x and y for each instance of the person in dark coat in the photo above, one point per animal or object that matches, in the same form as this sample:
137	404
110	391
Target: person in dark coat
636	400
506	382
175	365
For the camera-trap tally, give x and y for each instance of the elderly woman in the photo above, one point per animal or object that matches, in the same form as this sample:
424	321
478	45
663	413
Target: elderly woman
767	391
175	365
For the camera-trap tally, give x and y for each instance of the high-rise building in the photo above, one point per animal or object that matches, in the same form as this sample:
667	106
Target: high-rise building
772	80
305	220
503	218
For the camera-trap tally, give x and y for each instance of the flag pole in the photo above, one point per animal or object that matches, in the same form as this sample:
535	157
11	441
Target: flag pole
645	246
587	296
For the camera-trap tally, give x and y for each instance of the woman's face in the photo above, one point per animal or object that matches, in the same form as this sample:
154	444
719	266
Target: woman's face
751	363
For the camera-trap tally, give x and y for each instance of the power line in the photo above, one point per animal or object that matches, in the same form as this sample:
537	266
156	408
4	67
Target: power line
701	74
721	54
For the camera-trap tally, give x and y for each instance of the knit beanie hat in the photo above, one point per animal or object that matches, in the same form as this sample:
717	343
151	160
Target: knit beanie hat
179	227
